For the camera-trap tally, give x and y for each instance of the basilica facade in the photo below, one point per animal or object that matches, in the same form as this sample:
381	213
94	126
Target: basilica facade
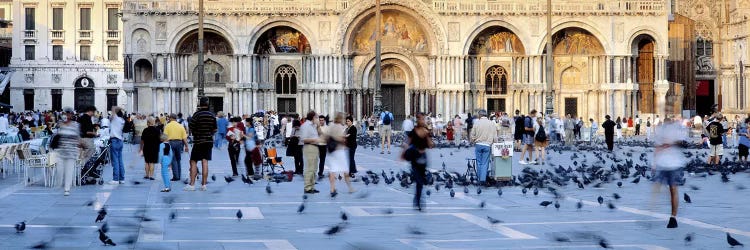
441	56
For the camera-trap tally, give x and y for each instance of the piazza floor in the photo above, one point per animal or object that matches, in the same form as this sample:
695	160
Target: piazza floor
380	216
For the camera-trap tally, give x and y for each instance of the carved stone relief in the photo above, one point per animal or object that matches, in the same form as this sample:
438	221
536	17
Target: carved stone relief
454	32
161	30
325	30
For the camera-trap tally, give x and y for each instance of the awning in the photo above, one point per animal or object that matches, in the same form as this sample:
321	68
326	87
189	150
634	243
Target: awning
4	80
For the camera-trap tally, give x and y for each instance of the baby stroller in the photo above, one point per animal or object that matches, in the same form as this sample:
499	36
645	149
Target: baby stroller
272	168
91	172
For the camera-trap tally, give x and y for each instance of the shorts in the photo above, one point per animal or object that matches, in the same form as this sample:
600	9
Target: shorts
743	150
528	140
541	144
518	136
669	177
715	150
201	151
385	130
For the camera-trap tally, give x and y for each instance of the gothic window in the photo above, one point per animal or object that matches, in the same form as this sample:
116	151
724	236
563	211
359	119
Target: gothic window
286	80
496	81
704	47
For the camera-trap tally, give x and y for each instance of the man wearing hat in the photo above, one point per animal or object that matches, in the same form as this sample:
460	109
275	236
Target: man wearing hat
203	127
87	133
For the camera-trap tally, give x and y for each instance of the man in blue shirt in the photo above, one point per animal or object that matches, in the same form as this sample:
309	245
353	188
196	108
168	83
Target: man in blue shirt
221	124
386	119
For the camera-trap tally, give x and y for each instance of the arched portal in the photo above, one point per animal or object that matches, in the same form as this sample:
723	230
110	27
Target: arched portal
286	89
84	93
496	88
396	81
578	59
644	46
217	61
143	71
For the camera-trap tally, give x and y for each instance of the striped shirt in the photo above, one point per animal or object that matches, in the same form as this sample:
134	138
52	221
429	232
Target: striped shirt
203	127
69	140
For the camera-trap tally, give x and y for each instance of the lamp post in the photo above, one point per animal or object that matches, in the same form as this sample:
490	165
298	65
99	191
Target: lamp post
201	77
550	108
378	105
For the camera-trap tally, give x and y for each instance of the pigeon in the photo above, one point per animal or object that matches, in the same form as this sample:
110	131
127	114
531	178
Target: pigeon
557	205
213	177
499	192
637	179
452	193
610	205
136	182
105	227
479	191
228	179
40	245
600	200
90	203
415	231
524	191
561	238
105	239
172	216
301	208
102	214
428	193
545	203
20	227
687	198
493	220
603	243
732	241
239	215
333	230
344	217
688	238
579	205
268	189
304	197
482	204
619	184
466	190
536	191
616	196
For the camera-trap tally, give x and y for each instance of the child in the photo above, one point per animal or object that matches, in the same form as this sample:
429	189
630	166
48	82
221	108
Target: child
668	163
165	158
253	159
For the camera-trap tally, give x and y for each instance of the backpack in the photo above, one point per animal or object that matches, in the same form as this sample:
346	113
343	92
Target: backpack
540	136
387	119
619	125
648	124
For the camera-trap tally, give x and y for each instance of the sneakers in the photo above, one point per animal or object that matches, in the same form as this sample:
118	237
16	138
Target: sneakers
532	162
203	188
113	182
672	223
67	193
189	188
522	162
166	190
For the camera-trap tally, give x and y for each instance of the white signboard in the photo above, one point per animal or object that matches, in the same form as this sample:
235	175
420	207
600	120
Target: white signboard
586	134
502	149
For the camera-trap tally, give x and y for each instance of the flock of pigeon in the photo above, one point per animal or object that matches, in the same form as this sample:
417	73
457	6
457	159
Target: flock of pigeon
586	170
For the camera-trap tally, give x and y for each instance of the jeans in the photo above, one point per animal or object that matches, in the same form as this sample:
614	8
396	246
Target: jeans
418	175
322	150
219	139
311	159
115	153
724	140
482	153
165	174
177	148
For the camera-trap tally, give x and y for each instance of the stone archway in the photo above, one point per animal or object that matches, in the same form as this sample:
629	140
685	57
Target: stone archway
143	71
644	48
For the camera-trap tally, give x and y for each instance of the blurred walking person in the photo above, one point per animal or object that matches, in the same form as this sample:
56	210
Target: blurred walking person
415	152
668	162
203	127
67	149
338	157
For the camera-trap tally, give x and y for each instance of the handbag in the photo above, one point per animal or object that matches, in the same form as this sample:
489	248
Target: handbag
54	142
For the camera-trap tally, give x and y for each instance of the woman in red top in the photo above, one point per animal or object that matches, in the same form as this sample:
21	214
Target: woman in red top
630	124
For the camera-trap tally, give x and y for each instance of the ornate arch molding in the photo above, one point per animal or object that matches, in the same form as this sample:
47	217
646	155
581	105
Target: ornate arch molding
645	30
571	23
184	29
491	22
268	24
417	74
361	9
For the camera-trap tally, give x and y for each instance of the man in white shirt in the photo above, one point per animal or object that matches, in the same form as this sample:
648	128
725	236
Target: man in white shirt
407	126
3	123
637	125
115	147
483	135
308	136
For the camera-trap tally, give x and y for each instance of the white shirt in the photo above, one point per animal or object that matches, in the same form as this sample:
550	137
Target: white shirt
408	125
670	158
3	123
289	128
115	128
105	122
637	121
656	121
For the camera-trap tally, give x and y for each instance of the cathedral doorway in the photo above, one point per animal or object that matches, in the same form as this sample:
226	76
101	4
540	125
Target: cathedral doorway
215	104
83	93
644	69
